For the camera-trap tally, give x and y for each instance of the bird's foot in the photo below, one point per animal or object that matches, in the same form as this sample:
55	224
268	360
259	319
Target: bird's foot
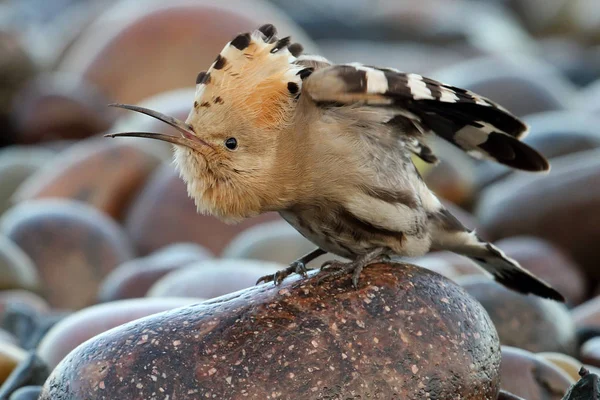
333	268
297	267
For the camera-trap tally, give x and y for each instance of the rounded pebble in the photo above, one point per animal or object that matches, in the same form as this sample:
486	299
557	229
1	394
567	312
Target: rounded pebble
10	356
89	322
26	393
531	377
16	268
212	278
567	363
164	214
525	321
133	278
73	246
101	172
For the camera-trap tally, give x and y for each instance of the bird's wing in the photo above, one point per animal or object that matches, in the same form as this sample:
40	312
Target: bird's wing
473	123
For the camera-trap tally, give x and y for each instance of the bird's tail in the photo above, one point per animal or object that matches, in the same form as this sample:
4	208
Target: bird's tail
506	270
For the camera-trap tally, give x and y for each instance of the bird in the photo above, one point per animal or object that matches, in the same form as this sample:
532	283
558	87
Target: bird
330	148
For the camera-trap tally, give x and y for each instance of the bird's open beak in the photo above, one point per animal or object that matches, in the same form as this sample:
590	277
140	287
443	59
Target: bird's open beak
187	138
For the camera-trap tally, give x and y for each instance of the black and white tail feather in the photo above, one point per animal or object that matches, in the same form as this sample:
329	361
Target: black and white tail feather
473	123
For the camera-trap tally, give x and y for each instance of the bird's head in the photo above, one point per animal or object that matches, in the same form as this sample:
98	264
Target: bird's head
229	148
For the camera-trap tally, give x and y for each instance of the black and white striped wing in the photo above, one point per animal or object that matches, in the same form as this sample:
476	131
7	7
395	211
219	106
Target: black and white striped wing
473	123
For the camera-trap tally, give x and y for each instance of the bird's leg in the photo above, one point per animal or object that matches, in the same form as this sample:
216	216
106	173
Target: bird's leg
296	267
356	266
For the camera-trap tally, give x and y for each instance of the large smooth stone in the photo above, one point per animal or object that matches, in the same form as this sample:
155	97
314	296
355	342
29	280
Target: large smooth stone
73	246
16	268
133	278
16	164
548	263
89	322
525	321
163	214
181	37
561	207
397	336
532	377
104	173
212	278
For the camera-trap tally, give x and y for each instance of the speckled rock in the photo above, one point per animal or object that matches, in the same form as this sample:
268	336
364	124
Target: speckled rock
531	377
550	264
537	204
397	336
89	322
212	278
524	321
16	268
73	246
16	164
104	173
163	214
133	278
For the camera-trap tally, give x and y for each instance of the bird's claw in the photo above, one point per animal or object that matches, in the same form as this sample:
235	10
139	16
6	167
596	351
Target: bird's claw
296	267
334	269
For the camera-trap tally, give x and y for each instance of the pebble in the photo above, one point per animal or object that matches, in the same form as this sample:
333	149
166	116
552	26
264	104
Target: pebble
104	173
531	377
163	214
212	278
73	246
524	321
17	271
133	278
91	321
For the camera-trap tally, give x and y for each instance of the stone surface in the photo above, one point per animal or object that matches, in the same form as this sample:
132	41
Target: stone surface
133	278
181	37
16	164
212	278
163	214
16	268
104	173
525	321
531	377
91	321
561	207
549	263
25	298
394	337
73	246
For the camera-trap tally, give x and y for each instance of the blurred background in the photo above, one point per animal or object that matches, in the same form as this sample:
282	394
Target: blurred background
87	220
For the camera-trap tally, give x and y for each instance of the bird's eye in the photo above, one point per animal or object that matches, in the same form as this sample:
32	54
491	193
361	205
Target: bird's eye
231	143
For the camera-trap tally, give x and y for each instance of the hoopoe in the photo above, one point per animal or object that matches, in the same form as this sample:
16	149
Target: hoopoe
329	148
